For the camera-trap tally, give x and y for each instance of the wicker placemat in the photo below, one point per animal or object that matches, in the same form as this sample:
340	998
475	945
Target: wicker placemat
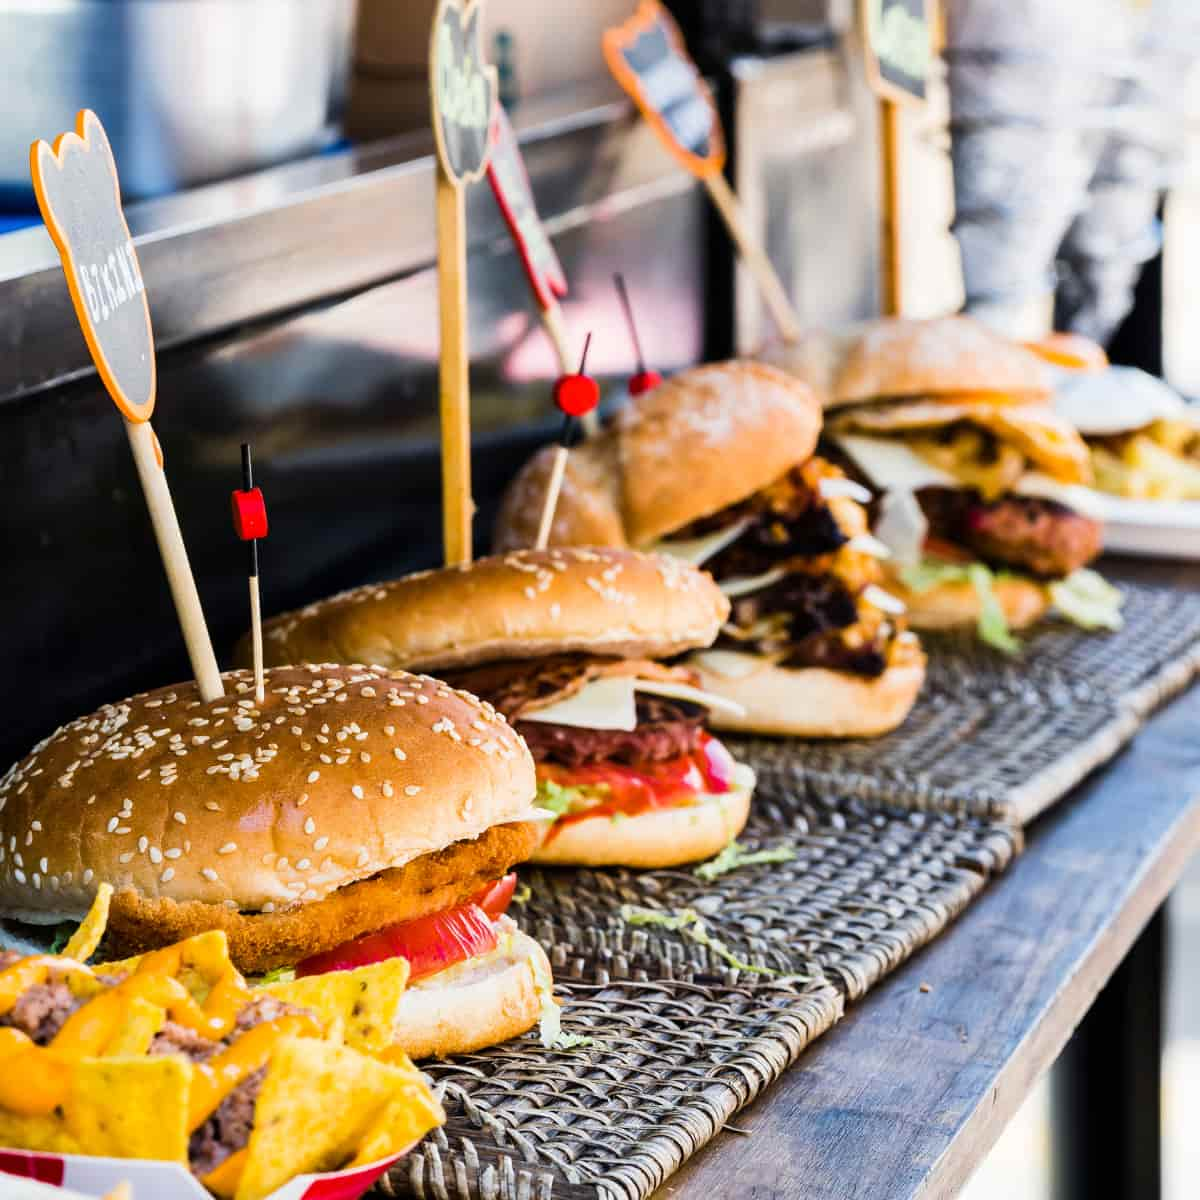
680	1038
1004	737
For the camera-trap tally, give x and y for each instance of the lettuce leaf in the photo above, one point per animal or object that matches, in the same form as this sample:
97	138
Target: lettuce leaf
550	1029
556	798
736	855
991	626
1088	600
691	924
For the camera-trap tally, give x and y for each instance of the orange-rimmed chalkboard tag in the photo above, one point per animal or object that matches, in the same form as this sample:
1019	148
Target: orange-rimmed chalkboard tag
899	47
648	56
510	183
464	90
80	200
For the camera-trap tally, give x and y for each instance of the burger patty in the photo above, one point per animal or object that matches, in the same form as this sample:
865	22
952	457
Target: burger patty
1037	535
260	941
42	1009
666	729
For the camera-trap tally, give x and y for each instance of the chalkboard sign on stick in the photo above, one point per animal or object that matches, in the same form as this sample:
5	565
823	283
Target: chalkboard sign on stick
899	48
648	57
462	96
79	196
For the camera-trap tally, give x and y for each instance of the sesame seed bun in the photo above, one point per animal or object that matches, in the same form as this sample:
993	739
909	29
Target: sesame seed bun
704	439
816	702
526	604
340	774
662	837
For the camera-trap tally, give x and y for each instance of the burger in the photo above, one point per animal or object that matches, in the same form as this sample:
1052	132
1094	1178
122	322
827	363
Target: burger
353	815
716	467
970	469
566	644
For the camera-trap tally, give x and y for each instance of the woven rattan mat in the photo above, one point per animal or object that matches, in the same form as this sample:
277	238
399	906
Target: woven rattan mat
1005	737
682	1040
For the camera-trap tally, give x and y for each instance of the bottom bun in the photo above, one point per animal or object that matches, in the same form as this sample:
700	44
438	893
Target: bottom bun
481	1002
663	837
954	605
815	702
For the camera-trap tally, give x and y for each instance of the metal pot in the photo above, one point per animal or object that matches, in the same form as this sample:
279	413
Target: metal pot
188	90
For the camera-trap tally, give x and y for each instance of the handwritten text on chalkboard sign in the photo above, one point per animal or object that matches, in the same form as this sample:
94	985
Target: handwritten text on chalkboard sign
80	200
464	89
510	182
650	61
899	48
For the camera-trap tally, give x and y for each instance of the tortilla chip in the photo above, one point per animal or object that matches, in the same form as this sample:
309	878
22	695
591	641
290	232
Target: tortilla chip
364	1002
204	960
86	938
317	1104
142	1021
403	1122
118	1108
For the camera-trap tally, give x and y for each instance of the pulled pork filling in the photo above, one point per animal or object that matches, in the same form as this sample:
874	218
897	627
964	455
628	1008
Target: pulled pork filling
818	613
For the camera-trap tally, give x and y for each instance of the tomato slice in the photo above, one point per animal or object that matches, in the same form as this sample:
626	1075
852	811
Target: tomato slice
632	790
495	898
430	944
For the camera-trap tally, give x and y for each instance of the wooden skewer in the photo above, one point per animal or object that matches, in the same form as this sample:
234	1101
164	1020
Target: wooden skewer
556	327
143	444
890	265
455	390
754	256
557	470
256	637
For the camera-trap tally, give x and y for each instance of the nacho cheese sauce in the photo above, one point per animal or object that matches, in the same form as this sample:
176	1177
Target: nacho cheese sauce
36	1080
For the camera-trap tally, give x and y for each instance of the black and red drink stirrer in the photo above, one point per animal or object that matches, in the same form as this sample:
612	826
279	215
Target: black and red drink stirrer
575	396
642	380
250	524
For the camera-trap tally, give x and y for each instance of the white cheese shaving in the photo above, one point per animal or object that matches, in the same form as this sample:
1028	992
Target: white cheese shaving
832	489
884	601
741	585
902	526
730	664
889	463
867	543
699	550
612	704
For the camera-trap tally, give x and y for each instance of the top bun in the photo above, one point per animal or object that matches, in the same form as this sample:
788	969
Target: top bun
893	358
526	604
704	439
340	773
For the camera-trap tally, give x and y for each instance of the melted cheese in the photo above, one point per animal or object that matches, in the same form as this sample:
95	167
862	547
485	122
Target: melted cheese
699	550
612	703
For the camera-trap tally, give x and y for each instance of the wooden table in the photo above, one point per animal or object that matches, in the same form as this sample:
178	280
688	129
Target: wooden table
905	1097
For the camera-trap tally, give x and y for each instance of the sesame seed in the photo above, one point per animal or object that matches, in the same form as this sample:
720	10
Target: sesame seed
269	907
88	876
210	874
303	800
313	776
127	857
387	789
167	875
143	843
303	864
155	855
310	826
357	792
369	692
364	756
36	826
228	848
411	790
178	816
113	822
399	753
212	806
174	852
20	876
320	843
45	865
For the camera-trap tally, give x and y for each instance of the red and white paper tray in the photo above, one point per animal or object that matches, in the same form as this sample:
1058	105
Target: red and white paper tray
150	1179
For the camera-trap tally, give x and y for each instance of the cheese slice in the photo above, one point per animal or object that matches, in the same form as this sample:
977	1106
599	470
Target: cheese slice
699	550
742	585
889	463
612	703
832	488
